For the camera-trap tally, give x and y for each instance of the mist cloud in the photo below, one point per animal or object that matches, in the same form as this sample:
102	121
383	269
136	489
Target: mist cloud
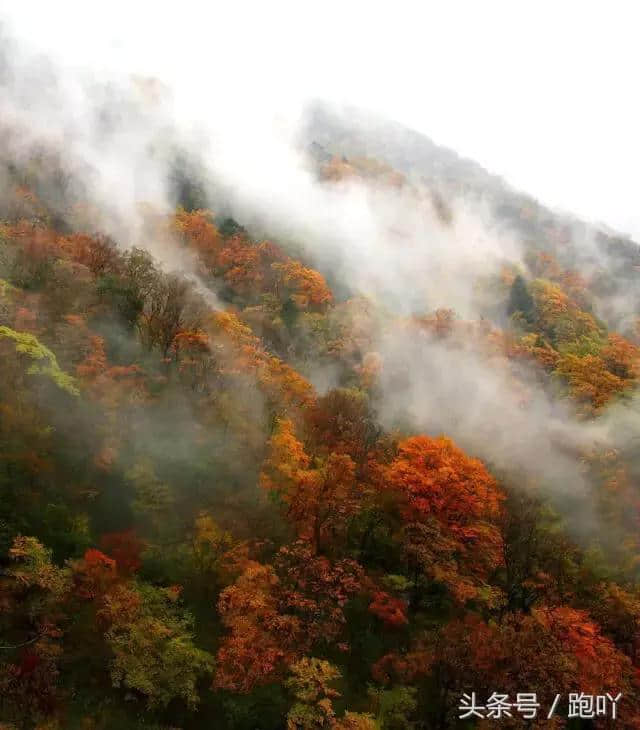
118	134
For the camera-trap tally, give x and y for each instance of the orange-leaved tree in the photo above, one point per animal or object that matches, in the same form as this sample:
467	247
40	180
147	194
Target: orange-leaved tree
450	504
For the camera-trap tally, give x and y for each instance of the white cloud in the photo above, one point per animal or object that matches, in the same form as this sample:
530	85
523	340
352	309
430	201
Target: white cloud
543	93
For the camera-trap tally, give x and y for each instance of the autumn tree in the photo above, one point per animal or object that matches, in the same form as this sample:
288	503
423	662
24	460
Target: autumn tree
151	638
204	553
449	503
343	422
125	548
191	351
276	614
32	591
590	383
261	642
318	498
554	650
94	574
168	309
311	685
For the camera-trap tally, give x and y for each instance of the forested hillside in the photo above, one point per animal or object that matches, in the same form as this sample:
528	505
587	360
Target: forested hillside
248	492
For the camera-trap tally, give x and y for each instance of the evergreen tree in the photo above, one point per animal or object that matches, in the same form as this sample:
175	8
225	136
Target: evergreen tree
520	300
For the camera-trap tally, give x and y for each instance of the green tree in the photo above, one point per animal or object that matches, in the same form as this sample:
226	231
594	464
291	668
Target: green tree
151	638
520	300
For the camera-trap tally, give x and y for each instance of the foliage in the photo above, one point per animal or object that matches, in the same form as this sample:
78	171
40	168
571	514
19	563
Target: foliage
201	537
152	644
45	361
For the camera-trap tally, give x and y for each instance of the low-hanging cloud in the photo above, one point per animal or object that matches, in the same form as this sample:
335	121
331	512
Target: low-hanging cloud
119	134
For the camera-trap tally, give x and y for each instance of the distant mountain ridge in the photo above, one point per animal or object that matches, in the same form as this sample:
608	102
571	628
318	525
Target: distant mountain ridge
329	131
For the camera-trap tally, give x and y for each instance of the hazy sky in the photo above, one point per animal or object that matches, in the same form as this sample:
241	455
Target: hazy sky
543	93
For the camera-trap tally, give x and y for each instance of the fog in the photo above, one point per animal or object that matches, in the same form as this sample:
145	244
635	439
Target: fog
117	122
542	94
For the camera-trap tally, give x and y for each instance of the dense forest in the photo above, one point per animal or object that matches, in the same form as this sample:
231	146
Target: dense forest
226	503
